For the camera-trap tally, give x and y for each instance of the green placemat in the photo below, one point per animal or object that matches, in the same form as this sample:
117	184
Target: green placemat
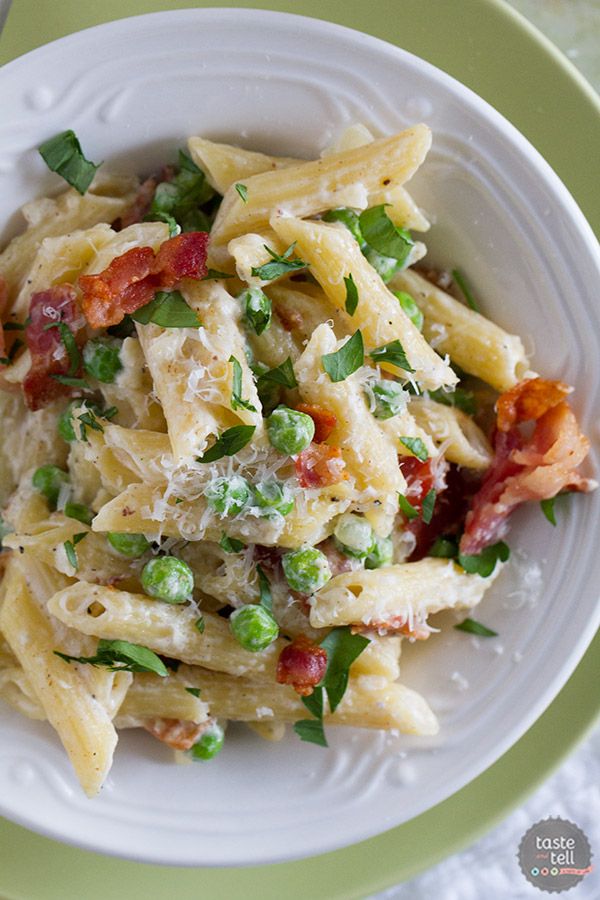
490	48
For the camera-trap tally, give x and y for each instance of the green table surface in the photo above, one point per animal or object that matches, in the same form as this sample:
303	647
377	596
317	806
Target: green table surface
493	50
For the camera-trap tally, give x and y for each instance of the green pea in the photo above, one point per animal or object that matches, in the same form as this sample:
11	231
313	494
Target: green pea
210	743
273	497
410	308
101	358
290	431
80	512
382	553
48	480
253	627
385	266
390	398
354	536
130	545
306	570
257	309
168	578
348	218
228	495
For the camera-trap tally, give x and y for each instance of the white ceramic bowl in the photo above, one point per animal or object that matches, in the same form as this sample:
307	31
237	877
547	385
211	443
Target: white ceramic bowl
133	91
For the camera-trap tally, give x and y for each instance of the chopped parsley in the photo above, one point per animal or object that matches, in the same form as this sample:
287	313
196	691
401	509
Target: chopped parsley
242	191
416	447
351	295
280	265
484	563
343	362
406	508
169	310
121	656
393	354
427	506
236	390
228	443
231	545
473	627
63	155
465	290
382	235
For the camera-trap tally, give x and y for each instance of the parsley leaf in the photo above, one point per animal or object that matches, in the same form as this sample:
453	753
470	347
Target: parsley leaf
174	228
213	274
465	290
346	360
406	507
228	443
266	599
459	397
473	627
311	730
70	345
236	389
72	381
392	353
548	509
484	563
351	295
121	656
195	692
79	512
416	447
14	326
443	548
279	266
180	198
342	648
242	191
70	548
231	545
199	625
314	702
63	155
169	310
382	235
427	506
283	374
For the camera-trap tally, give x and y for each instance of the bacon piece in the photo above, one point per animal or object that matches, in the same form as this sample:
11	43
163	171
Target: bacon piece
338	561
324	420
301	664
132	279
537	468
319	466
394	625
529	400
449	512
180	257
176	733
142	201
421	477
48	354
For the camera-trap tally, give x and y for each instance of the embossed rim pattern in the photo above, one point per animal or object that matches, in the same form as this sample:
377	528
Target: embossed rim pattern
520	154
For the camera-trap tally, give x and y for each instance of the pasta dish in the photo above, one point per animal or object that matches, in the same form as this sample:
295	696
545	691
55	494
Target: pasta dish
251	442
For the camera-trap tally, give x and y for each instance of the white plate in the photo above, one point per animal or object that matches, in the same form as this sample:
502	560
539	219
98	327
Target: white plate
133	90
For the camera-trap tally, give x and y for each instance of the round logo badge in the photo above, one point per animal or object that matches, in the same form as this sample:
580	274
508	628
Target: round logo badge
554	855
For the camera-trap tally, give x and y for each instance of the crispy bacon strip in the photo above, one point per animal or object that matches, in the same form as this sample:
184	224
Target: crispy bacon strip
529	400
176	733
301	664
132	279
48	354
319	466
534	468
324	420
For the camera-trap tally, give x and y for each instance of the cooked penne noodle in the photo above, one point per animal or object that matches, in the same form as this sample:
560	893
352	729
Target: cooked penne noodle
477	345
333	255
342	179
464	442
397	596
